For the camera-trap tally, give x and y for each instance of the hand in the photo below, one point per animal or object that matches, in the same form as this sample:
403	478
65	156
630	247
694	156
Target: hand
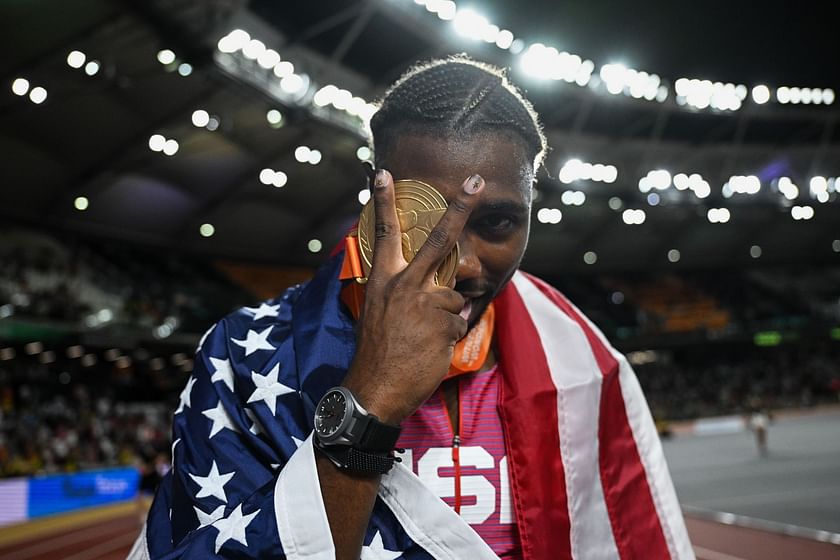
409	326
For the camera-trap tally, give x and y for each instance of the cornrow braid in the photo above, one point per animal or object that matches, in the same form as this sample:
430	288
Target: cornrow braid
455	96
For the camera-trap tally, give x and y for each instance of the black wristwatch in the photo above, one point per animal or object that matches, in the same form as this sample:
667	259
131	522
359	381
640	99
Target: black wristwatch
351	437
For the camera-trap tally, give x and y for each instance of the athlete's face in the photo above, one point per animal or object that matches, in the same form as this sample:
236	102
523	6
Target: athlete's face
493	242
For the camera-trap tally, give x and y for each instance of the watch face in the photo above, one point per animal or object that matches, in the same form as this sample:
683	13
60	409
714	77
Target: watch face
329	415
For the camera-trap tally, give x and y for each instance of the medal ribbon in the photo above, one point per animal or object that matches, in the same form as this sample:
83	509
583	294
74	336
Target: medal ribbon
470	352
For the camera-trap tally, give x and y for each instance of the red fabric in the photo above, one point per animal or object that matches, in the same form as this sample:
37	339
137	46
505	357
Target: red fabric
635	522
528	408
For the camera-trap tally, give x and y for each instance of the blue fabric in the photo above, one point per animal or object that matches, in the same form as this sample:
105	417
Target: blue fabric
312	343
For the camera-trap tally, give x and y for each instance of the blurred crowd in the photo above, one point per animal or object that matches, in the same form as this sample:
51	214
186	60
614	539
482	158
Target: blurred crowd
60	417
64	407
732	379
94	284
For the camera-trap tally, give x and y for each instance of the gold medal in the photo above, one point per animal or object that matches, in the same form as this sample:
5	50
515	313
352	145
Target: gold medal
419	208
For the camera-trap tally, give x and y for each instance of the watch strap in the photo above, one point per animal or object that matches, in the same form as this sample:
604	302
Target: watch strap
357	461
378	437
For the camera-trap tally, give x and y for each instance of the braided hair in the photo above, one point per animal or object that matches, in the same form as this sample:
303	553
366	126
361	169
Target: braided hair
456	96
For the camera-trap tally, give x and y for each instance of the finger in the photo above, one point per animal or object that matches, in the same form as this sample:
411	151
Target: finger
387	251
444	299
445	234
454	327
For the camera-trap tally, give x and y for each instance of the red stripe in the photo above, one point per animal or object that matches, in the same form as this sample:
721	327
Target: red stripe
635	521
528	409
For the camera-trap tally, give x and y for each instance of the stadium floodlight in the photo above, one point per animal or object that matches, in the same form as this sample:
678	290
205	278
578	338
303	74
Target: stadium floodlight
166	56
761	94
200	118
314	245
363	153
302	153
38	95
787	187
156	142
284	68
234	41
20	86
614	76
279	179
268	59
76	59
633	216
92	67
469	24
504	39
170	147
549	215
274	117
718	215
314	157
253	49
292	84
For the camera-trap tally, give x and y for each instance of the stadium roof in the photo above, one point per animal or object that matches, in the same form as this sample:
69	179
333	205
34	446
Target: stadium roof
672	101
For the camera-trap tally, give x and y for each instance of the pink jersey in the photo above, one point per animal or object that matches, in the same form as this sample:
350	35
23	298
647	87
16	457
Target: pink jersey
469	472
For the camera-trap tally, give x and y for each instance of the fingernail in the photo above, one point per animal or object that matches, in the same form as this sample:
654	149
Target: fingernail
380	180
473	184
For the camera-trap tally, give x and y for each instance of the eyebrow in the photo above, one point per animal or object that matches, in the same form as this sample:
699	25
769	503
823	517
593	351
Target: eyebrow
503	206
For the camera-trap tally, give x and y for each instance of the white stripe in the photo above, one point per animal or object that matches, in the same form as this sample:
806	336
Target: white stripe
299	508
428	520
140	550
651	455
577	378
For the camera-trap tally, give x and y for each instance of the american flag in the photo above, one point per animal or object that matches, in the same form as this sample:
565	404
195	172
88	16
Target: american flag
587	472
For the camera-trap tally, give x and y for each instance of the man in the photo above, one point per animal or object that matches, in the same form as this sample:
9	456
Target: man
543	449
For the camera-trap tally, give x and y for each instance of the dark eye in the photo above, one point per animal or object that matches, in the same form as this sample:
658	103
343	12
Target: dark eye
496	224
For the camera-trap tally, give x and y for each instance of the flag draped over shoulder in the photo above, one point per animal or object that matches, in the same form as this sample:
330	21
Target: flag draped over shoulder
588	477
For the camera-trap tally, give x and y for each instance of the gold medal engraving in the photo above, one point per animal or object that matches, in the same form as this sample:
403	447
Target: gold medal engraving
419	208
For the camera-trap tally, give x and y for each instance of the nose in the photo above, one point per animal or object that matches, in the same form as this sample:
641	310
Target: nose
469	265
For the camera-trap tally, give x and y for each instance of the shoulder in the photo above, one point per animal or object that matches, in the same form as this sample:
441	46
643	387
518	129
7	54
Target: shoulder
249	334
268	313
535	290
544	300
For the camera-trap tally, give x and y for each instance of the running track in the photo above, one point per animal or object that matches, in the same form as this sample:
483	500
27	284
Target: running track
111	539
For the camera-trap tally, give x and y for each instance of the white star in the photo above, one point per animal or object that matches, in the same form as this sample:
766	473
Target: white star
213	484
376	550
209	518
264	310
186	395
256	428
298	442
255	341
233	527
204	337
222	372
221	419
268	388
